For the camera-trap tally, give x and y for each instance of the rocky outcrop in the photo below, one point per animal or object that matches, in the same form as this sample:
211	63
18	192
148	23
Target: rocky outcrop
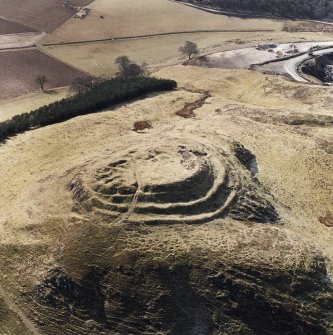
186	297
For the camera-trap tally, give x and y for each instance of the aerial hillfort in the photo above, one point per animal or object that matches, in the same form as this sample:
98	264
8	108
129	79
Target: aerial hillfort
166	167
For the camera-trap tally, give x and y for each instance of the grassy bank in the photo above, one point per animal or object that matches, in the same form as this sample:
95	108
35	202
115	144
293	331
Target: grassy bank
97	97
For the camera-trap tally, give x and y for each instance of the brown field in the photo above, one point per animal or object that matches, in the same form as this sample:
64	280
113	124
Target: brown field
45	15
19	69
123	18
8	27
29	102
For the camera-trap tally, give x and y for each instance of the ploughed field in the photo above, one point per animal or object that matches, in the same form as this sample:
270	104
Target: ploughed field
19	69
44	15
8	27
23	24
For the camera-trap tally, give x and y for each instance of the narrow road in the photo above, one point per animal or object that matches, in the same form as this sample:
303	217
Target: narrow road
21	40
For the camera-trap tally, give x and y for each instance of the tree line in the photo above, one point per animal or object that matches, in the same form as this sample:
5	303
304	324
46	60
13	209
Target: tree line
90	98
318	9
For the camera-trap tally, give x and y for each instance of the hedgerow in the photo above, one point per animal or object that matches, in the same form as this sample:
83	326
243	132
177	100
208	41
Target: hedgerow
98	97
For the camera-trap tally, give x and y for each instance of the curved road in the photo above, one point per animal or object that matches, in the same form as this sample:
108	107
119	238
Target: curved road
291	65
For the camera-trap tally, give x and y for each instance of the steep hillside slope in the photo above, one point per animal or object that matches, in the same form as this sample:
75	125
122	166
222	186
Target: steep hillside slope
322	9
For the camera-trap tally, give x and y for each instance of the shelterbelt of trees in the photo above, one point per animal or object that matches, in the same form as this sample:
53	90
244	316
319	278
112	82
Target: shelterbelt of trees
319	9
94	98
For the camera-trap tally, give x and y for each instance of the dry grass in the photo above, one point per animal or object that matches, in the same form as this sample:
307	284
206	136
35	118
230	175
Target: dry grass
29	102
300	26
98	58
255	89
34	155
38	215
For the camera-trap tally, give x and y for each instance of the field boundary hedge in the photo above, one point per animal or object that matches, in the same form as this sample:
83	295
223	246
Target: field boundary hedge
96	98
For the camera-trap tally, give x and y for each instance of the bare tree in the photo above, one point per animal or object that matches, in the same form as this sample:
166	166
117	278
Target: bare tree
41	81
189	49
129	69
123	62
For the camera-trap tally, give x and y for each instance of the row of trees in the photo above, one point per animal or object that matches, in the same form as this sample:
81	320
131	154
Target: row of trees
90	97
127	69
318	9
